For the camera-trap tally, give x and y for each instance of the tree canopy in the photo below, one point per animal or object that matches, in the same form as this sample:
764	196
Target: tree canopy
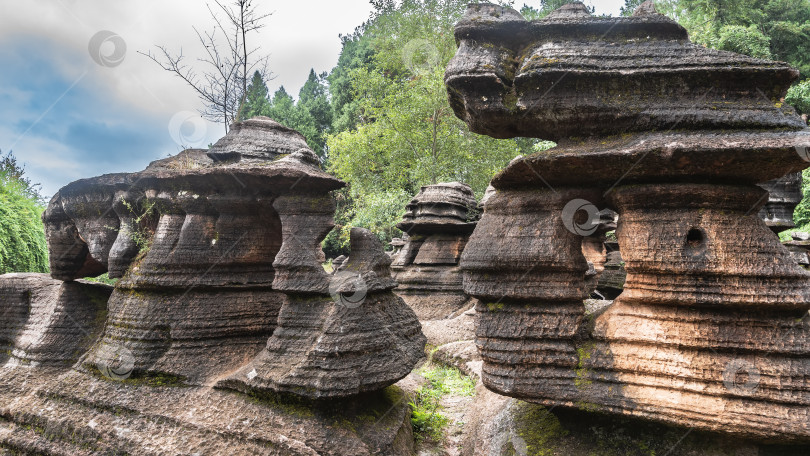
402	133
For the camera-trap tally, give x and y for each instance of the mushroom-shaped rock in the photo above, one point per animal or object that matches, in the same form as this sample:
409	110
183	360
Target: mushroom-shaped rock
707	332
437	223
357	339
259	138
188	234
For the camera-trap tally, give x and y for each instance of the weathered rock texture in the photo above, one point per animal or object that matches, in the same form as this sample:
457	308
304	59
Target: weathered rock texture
437	222
194	240
799	248
361	338
708	331
595	249
784	194
611	281
215	251
47	322
48	411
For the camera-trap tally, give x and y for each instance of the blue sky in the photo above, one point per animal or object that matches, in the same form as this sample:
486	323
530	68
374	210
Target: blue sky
67	117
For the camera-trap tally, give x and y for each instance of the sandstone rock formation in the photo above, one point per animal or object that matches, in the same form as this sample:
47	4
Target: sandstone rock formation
185	239
799	248
595	249
47	322
611	281
437	222
218	255
361	338
784	194
708	331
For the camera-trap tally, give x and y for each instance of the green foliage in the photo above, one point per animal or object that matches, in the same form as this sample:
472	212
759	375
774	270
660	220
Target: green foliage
103	278
144	222
801	216
402	133
744	40
22	234
546	7
256	102
798	96
357	53
311	115
745	25
427	420
313	98
629	7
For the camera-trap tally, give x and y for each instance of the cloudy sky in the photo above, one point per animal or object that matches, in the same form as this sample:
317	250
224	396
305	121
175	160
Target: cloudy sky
66	117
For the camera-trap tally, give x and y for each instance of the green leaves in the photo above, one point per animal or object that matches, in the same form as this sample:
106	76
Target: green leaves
744	40
798	96
22	236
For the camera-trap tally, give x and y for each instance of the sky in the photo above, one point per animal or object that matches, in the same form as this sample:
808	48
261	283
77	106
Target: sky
78	100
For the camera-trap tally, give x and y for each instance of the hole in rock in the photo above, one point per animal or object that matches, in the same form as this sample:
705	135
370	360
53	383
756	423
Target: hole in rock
694	238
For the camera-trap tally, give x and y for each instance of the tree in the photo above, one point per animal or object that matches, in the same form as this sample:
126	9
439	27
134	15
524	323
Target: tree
256	102
744	40
546	7
357	53
630	6
405	133
22	235
314	99
229	59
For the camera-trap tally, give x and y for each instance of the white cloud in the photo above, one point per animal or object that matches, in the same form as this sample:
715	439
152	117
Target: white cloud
298	36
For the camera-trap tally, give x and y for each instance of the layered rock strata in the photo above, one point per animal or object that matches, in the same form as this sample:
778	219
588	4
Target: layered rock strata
611	281
784	194
212	249
186	236
47	322
437	223
708	332
343	335
595	249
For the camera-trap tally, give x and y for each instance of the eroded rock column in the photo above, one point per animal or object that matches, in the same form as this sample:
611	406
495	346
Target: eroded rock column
339	335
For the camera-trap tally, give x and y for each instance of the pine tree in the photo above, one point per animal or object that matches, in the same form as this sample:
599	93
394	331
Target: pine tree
256	102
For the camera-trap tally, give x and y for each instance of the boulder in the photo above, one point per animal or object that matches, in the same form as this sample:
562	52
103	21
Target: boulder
47	322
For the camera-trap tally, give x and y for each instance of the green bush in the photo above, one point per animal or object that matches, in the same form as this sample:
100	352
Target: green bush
798	96
801	216
744	40
22	235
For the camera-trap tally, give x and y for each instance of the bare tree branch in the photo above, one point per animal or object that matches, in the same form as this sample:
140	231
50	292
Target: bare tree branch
227	60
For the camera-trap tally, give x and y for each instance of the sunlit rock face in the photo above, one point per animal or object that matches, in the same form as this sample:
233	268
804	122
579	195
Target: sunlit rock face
437	224
47	322
711	330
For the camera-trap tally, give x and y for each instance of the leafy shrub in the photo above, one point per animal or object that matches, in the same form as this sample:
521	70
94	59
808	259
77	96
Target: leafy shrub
744	40
22	234
798	96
